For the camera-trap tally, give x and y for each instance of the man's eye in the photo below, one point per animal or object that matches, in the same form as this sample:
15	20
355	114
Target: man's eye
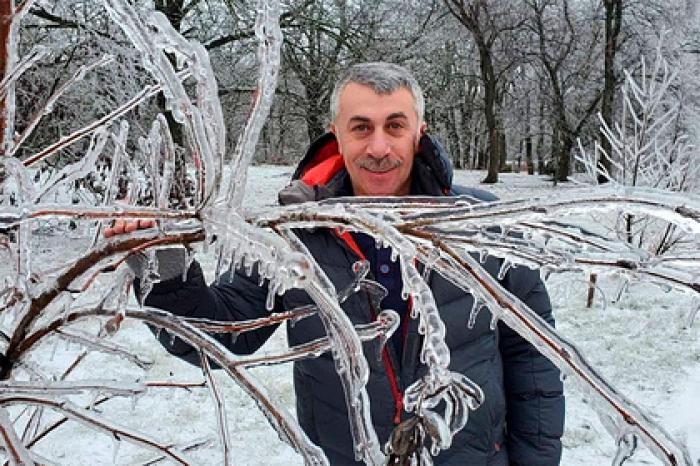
395	125
360	128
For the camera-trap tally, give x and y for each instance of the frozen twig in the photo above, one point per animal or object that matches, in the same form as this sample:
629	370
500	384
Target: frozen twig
145	94
88	418
48	105
18	453
220	407
61	388
106	347
466	273
381	330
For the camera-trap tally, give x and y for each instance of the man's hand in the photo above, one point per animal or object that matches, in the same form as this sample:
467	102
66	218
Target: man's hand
122	227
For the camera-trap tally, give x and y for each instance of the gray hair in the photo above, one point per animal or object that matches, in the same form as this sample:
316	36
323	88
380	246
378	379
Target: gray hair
383	78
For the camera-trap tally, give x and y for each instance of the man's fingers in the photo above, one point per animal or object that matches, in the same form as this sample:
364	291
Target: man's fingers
121	227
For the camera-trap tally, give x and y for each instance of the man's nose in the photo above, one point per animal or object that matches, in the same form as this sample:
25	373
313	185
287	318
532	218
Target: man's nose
378	145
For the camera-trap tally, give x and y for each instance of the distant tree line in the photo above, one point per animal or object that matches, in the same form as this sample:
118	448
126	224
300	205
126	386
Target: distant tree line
510	85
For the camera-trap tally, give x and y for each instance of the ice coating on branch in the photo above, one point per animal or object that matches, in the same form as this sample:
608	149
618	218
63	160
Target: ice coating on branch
207	153
36	54
279	418
269	35
347	353
531	327
150	274
168	163
49	105
116	298
15	172
151	148
79	169
14	447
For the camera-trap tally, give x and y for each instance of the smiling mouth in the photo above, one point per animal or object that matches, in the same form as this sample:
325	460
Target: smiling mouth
379	169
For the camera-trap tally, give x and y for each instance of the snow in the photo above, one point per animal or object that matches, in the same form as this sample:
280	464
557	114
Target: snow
639	343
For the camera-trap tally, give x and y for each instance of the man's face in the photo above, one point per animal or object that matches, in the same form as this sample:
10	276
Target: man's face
378	137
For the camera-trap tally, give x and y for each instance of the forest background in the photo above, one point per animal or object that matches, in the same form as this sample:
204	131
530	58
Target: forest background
510	85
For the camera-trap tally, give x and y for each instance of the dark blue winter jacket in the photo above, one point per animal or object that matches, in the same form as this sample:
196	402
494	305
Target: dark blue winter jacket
521	419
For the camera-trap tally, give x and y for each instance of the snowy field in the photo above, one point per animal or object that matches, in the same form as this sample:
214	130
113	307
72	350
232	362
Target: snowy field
640	344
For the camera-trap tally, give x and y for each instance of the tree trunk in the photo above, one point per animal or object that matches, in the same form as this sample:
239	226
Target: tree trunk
540	139
489	80
613	20
7	56
564	162
502	149
466	128
453	137
528	139
315	126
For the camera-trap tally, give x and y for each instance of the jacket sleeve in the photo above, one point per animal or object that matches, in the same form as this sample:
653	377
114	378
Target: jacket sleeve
239	299
533	387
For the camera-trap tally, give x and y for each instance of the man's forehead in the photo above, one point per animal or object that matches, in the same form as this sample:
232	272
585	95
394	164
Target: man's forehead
391	116
358	100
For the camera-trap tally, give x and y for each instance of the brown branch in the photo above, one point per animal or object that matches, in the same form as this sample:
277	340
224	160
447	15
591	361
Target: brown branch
18	344
86	417
381	329
213	326
280	420
18	453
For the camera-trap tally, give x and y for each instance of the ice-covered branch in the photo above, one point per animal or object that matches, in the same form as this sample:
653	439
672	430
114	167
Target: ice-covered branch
61	387
219	405
381	329
106	347
145	94
205	135
267	30
32	57
34	307
465	272
18	453
92	420
49	104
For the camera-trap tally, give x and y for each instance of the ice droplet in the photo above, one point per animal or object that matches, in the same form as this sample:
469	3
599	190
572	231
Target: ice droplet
505	266
474	313
271	293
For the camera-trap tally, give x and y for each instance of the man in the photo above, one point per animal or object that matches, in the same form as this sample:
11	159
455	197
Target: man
377	146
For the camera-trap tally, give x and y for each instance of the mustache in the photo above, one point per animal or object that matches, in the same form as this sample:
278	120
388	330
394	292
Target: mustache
379	165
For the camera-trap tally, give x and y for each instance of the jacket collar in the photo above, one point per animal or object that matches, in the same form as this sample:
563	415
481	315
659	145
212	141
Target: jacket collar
321	174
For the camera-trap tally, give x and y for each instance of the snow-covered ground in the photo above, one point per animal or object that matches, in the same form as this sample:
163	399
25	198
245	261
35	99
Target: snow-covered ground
640	344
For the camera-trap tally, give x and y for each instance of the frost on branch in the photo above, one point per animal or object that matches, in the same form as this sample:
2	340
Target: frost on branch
78	310
649	148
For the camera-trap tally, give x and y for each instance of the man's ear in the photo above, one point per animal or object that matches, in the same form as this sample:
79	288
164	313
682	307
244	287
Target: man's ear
332	128
423	127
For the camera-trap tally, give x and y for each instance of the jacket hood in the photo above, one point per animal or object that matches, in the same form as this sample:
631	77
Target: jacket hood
321	173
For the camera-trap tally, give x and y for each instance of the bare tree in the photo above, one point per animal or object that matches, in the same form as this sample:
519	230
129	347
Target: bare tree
613	26
492	24
567	56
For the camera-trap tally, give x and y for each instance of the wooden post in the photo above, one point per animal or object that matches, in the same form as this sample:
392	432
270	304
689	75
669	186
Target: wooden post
591	289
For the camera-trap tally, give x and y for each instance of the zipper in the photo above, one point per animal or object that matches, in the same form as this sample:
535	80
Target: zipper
389	366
